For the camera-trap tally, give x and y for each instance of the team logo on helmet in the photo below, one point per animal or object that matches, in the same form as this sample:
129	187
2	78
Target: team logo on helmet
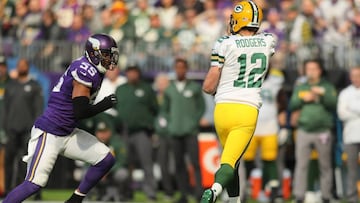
238	9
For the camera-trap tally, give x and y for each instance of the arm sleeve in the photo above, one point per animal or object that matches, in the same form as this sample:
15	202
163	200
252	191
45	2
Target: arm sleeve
83	109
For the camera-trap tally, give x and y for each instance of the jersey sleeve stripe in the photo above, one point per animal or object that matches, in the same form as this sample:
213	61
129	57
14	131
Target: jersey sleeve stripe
217	59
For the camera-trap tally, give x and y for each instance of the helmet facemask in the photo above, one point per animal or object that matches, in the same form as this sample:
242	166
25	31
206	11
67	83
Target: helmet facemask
232	23
108	58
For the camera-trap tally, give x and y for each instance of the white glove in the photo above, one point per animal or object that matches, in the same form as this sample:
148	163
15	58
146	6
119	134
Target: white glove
283	136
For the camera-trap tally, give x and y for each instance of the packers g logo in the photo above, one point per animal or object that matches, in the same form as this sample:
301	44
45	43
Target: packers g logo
238	8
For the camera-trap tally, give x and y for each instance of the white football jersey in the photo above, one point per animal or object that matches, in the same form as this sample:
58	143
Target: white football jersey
244	62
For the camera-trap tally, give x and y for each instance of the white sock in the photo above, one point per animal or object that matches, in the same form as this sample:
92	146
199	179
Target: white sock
77	192
217	188
234	199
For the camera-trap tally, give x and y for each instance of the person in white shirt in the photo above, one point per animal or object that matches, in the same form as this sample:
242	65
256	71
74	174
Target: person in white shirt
349	112
112	80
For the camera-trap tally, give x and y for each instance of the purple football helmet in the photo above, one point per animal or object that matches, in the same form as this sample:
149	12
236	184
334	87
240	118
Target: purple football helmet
102	51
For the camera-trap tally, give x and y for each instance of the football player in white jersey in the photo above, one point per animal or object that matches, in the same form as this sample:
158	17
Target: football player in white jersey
239	63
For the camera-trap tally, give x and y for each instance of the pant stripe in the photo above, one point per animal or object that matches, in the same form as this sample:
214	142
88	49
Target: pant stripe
36	157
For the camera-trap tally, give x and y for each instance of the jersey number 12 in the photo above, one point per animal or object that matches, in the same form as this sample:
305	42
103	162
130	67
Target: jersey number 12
248	81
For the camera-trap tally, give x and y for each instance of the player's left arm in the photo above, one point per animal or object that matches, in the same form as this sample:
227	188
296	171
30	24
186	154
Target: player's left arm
217	61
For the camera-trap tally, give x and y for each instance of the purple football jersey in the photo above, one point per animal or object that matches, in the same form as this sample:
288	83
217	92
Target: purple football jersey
58	118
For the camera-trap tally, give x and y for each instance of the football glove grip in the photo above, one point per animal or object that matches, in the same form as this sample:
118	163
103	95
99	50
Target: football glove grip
112	99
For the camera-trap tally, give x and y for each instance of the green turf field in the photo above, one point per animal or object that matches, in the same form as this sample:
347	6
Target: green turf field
58	196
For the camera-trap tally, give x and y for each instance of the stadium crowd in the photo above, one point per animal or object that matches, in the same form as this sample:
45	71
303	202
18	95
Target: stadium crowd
153	37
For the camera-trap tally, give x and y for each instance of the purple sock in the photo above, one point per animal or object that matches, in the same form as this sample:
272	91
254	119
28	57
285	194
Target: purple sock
21	192
95	173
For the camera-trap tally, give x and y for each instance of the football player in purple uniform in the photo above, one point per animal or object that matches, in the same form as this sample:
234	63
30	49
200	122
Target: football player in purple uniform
55	133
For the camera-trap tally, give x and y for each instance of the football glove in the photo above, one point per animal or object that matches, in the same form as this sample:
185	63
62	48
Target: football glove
283	135
111	99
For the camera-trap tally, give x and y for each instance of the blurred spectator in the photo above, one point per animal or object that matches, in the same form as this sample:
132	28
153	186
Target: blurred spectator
4	80
155	45
122	26
167	12
29	26
316	100
208	5
303	35
190	4
141	15
276	26
78	33
91	18
115	185
23	103
349	112
46	45
137	108
355	37
186	40
290	13
209	27
7	12
155	34
164	151
67	12
335	28
21	10
49	29
106	21
184	106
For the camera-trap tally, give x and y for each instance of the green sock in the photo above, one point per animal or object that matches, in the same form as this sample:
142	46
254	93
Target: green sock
269	171
233	188
224	175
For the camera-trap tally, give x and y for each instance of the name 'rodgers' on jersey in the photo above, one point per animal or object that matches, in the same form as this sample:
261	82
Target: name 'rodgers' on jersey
244	61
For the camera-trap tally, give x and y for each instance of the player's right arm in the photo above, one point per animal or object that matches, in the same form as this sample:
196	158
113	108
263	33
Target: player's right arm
211	80
81	102
217	61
